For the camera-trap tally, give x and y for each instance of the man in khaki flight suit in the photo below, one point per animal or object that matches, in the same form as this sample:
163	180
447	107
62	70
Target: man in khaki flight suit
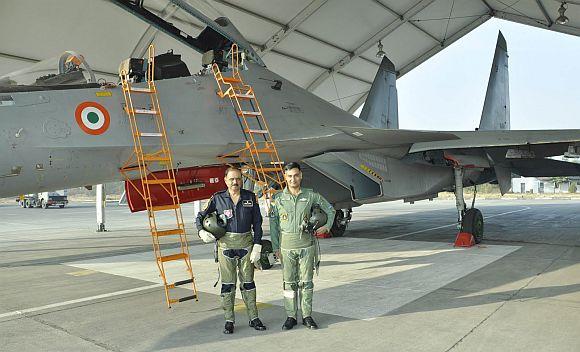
290	211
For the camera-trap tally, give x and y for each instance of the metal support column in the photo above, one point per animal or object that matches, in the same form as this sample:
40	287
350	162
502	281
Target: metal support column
100	204
459	200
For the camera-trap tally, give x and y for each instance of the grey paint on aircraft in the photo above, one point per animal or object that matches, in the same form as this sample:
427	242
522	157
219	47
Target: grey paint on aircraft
496	108
381	107
384	164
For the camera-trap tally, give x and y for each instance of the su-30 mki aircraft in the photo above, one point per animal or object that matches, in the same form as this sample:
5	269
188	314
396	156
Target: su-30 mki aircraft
63	129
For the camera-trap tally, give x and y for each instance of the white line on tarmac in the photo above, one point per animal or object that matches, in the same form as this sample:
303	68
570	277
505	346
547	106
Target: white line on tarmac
80	300
455	224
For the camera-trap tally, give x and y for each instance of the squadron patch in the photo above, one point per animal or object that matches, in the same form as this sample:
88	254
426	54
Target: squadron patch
92	118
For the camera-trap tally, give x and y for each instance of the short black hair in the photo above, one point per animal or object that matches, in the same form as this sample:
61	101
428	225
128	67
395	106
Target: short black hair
232	168
292	165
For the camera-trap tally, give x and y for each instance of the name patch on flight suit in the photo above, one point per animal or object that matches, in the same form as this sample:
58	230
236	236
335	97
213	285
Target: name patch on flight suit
247	203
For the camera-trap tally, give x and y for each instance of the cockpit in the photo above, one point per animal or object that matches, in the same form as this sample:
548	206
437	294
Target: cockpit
68	71
71	71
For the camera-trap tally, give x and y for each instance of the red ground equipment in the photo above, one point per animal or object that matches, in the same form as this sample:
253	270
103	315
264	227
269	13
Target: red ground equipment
464	239
193	183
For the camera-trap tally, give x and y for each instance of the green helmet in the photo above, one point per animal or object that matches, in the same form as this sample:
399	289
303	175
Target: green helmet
318	218
215	225
266	255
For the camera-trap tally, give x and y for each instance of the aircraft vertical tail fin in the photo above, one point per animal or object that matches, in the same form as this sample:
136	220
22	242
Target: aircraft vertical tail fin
381	107
496	108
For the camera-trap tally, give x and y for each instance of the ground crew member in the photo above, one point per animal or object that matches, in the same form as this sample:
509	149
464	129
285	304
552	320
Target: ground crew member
237	249
290	212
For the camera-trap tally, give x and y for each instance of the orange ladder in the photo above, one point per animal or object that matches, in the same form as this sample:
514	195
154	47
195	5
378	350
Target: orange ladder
145	155
259	157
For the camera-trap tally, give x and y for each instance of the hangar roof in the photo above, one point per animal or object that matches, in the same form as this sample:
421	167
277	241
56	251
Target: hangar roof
326	46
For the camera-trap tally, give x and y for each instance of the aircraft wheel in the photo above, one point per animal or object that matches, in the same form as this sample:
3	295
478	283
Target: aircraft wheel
43	205
340	223
61	206
473	224
27	204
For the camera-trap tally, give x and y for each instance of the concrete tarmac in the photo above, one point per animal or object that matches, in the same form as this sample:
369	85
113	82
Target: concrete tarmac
393	283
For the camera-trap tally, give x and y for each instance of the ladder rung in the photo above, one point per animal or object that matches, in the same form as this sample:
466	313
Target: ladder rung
145	111
244	96
231	80
267	169
182	299
151	157
249	113
168	232
265	150
130	168
182	282
187	298
256	131
151	134
142	90
159	181
164	207
171	257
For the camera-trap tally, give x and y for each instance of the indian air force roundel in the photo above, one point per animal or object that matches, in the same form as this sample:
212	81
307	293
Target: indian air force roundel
92	117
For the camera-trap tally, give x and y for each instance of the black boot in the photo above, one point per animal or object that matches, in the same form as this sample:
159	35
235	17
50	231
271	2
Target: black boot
309	322
289	323
257	324
229	327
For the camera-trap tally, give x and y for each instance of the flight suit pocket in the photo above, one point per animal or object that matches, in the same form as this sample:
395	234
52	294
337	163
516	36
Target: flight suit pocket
303	206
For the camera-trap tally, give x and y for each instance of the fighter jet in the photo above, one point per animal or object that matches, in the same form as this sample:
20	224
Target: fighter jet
64	129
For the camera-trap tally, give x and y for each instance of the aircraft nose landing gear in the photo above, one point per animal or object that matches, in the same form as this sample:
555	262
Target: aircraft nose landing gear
473	223
468	220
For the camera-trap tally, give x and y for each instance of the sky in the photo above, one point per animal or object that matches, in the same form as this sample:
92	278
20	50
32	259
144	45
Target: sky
447	91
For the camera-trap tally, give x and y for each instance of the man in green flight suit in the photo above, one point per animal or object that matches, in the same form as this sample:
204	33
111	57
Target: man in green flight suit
290	211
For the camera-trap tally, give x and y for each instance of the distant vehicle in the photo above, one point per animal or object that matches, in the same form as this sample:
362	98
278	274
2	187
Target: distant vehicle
44	199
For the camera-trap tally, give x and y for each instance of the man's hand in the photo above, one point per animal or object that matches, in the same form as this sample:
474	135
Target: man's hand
322	230
277	254
256	253
205	236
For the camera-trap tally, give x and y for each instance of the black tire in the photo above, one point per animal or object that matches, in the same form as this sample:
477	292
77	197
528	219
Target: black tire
338	230
473	224
43	205
27	204
61	206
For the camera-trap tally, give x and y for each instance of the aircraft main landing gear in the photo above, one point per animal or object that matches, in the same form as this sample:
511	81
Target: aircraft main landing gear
468	220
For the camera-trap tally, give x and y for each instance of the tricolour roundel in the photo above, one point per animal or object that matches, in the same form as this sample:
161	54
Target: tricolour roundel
92	117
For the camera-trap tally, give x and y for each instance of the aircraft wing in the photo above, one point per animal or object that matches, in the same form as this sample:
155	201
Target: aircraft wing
395	137
394	143
542	167
488	139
